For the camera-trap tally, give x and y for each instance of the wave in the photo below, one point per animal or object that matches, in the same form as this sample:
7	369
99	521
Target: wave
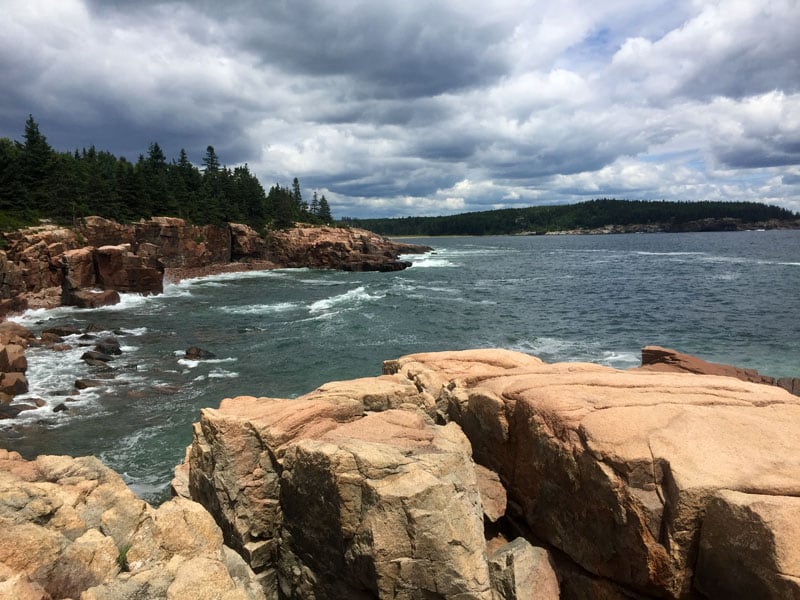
258	309
349	299
431	263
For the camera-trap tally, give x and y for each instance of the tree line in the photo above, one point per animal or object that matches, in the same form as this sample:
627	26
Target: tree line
593	214
37	182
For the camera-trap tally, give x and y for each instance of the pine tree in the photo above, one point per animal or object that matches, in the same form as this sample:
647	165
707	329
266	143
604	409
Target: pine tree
324	212
314	205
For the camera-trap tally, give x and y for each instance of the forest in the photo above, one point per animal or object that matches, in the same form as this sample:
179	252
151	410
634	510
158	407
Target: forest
593	214
37	182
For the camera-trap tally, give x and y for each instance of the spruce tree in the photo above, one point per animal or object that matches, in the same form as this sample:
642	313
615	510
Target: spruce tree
324	211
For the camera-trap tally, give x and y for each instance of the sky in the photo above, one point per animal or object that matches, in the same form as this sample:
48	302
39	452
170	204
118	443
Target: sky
396	108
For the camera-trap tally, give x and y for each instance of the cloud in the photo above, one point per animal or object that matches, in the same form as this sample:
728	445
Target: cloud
426	108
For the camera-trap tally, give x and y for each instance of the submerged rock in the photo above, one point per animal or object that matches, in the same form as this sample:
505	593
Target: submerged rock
195	353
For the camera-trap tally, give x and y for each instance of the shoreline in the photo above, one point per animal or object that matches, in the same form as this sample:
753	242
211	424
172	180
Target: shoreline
178	274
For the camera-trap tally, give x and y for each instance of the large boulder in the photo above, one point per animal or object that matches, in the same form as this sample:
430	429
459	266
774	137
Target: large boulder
70	527
246	243
119	269
618	469
326	500
79	268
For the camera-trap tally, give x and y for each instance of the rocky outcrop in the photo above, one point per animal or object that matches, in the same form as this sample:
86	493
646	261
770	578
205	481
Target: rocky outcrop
643	484
337	248
246	243
178	244
70	527
327	499
666	360
618	469
46	266
13	365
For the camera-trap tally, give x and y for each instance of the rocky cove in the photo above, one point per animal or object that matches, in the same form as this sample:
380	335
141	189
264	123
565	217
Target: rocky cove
90	265
470	474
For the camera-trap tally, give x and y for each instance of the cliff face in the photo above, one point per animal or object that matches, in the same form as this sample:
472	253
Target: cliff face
47	266
645	484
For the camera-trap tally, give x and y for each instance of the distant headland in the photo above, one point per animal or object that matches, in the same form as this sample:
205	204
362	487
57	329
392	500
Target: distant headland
594	217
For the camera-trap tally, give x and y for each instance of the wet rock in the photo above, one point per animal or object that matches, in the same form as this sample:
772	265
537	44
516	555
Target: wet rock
12	358
108	345
48	339
13	333
194	353
60	407
95	355
13	384
11	411
91	298
62	330
82	384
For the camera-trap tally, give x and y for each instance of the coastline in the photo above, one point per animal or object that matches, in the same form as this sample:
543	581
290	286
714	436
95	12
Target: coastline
178	274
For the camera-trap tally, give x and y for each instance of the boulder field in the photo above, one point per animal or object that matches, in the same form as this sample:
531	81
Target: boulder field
477	474
87	266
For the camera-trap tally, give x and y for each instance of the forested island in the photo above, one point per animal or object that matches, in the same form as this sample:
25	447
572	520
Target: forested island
594	216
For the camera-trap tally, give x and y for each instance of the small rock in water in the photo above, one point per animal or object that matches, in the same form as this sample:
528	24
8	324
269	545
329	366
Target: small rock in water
195	353
94	355
82	384
108	345
60	408
63	330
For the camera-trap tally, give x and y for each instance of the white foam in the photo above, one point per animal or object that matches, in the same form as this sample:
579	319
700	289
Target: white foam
349	299
259	309
222	374
432	263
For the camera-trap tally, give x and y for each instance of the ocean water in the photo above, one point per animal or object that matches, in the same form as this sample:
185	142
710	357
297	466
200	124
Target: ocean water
727	297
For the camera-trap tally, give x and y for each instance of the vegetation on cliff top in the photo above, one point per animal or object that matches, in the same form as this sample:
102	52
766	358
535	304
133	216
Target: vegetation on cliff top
37	182
594	214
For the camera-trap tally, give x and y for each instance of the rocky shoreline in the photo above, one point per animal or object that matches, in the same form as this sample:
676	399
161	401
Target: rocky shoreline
89	265
483	474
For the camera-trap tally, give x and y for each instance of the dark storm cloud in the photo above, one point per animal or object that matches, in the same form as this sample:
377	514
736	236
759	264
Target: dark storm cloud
426	107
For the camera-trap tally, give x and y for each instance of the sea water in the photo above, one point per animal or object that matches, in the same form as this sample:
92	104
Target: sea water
727	297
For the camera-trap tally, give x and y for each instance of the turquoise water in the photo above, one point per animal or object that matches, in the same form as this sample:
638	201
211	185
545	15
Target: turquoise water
728	297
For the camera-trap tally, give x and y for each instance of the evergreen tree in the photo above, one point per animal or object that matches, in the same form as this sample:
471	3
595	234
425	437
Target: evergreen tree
298	198
314	210
12	192
324	212
35	161
210	161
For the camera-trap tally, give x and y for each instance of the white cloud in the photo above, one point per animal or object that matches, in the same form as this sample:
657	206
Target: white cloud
427	108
